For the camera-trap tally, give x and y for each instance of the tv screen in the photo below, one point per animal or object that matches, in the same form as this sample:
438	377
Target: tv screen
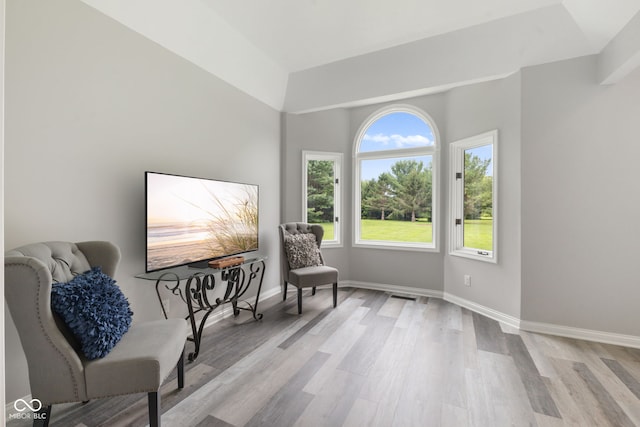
193	220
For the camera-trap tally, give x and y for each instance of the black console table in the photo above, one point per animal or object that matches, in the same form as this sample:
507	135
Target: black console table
195	287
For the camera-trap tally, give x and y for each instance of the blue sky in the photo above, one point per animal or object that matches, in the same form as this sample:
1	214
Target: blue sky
397	130
401	130
393	131
484	152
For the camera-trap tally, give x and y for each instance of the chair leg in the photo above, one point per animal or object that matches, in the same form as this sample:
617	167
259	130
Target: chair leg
299	300
313	290
154	409
284	293
181	370
335	295
41	417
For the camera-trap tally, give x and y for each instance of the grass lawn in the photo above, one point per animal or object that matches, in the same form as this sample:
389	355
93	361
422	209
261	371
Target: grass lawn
478	233
396	231
328	230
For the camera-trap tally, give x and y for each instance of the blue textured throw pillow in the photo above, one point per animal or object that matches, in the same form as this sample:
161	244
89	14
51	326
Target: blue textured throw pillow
95	310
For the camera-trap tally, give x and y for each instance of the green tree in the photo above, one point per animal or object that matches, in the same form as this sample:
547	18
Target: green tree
486	198
366	194
376	195
478	187
412	187
320	187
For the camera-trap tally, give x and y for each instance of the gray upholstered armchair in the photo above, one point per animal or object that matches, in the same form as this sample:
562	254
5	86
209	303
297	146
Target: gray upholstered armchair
58	372
306	271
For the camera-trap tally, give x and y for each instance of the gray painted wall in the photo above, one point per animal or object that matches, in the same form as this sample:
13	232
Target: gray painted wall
580	199
324	131
472	110
335	131
91	105
568	153
422	270
459	113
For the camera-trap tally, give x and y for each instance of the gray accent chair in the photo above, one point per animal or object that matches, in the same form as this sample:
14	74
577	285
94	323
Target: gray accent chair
60	373
305	277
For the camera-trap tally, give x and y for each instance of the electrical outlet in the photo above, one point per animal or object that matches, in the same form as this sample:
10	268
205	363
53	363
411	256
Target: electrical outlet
467	280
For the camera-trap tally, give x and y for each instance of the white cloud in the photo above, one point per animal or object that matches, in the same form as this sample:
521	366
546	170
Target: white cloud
399	141
384	139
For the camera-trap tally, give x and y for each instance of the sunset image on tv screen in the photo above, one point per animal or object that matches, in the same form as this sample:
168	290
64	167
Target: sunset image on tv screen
195	219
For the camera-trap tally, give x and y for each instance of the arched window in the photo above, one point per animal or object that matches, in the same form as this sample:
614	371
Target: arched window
396	180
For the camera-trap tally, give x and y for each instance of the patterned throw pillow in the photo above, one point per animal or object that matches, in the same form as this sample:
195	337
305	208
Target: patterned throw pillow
95	310
302	250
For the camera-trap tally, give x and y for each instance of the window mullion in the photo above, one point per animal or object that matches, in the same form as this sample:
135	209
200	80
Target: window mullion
405	152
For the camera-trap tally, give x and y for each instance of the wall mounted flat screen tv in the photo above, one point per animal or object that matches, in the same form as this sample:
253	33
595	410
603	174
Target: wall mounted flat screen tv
191	221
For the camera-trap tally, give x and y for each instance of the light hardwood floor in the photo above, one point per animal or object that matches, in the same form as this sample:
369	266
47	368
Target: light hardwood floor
380	360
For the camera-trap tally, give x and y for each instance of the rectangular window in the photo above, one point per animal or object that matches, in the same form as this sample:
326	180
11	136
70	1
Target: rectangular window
474	197
396	203
321	193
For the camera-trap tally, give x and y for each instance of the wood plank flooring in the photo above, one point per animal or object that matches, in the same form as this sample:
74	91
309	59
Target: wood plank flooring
380	360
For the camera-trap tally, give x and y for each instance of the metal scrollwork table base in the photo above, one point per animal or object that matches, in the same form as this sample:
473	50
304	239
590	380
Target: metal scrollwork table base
196	286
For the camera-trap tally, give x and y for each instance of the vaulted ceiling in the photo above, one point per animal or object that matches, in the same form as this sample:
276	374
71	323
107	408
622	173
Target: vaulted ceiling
270	48
301	34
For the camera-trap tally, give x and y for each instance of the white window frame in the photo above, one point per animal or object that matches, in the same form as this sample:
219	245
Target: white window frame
336	158
358	157
456	231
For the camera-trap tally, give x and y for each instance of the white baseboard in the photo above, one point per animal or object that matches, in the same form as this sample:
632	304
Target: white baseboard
524	325
582	334
407	290
537	327
485	311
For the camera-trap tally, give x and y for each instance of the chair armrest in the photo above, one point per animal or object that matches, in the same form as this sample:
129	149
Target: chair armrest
55	370
101	253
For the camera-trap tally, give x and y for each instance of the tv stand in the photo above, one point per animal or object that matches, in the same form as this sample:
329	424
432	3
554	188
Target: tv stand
196	289
200	265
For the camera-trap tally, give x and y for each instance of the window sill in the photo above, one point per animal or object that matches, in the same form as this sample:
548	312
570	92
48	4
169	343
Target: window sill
395	246
473	254
329	245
